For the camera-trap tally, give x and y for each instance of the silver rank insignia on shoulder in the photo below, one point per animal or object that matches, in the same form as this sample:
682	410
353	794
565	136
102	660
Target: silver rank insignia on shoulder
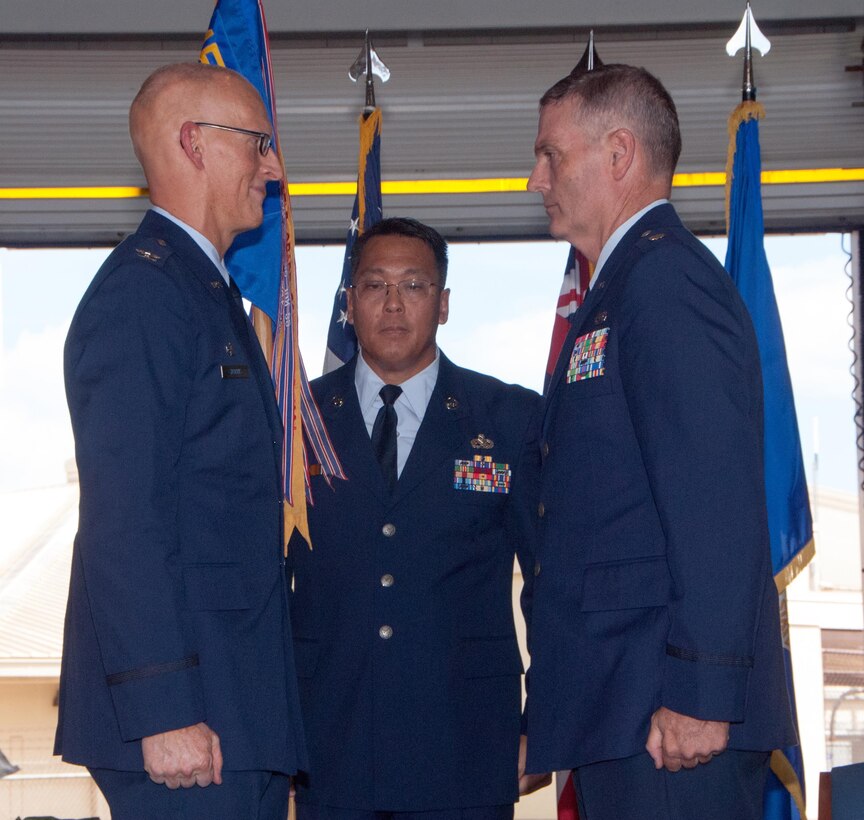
656	236
482	443
229	348
450	403
148	255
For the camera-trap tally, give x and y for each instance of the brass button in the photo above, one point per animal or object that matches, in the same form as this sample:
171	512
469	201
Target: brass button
541	509
389	530
536	568
387	580
386	632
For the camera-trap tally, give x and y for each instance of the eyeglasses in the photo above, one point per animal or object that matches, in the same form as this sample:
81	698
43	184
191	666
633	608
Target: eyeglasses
411	290
265	141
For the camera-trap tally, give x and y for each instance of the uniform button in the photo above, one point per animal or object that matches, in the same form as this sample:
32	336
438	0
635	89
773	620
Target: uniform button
541	509
386	632
387	580
536	568
389	530
545	449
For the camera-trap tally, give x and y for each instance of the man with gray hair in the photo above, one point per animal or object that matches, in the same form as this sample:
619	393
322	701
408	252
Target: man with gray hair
657	674
178	687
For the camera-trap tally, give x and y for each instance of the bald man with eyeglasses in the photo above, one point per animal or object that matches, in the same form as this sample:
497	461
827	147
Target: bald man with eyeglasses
403	619
178	687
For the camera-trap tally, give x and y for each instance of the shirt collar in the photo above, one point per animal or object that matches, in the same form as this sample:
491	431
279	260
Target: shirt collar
416	391
618	235
202	241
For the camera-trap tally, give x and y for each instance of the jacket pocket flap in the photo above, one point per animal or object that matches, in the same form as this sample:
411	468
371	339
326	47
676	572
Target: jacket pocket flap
626	585
215	587
490	657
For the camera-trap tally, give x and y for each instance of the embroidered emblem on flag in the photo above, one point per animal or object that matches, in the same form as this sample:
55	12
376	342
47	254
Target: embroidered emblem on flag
481	475
588	358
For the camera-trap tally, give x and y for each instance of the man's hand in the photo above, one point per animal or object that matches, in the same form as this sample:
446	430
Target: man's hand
529	782
676	740
184	757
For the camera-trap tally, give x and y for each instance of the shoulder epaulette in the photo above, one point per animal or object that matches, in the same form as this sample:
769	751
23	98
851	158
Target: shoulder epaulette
151	249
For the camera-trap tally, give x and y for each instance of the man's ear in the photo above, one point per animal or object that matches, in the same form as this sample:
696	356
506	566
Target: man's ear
190	141
349	307
622	150
444	307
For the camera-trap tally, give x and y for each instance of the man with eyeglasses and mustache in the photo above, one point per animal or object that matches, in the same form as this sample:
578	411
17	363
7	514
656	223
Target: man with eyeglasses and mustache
403	621
178	688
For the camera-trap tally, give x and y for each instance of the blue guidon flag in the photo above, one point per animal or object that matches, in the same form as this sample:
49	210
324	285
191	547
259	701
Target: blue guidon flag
789	521
341	339
262	264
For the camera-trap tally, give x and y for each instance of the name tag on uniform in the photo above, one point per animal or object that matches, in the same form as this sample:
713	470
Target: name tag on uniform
235	371
588	358
481	475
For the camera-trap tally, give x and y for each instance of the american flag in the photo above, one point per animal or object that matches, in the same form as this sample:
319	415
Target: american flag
341	340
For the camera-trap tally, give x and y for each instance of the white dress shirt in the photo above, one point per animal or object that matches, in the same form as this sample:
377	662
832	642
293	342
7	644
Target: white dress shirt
410	406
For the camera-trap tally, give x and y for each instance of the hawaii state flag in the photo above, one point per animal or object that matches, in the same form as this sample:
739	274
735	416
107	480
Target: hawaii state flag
577	276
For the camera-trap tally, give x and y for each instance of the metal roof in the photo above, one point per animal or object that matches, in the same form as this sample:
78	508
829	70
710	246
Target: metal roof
35	562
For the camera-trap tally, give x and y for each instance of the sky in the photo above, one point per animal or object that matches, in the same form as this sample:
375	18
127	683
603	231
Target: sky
501	308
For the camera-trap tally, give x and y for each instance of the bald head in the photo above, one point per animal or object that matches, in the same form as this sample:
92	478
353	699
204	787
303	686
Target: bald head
209	178
179	93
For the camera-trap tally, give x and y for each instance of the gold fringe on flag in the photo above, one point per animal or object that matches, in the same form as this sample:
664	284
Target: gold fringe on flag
295	514
784	772
370	127
747	110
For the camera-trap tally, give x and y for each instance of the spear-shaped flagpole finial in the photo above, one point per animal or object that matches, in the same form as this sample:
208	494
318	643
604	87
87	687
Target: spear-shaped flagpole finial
590	59
369	63
748	37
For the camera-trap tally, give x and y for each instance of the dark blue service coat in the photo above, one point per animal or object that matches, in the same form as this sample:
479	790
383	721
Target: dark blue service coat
178	609
654	582
402	611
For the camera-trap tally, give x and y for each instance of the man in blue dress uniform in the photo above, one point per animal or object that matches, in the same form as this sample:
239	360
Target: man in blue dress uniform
178	687
657	673
403	621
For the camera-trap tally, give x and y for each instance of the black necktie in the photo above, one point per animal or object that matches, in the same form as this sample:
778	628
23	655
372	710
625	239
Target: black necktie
384	433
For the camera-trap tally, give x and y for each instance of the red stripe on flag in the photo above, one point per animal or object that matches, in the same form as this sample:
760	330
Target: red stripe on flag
567	808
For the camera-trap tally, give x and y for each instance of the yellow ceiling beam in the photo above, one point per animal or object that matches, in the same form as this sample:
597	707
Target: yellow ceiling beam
446	186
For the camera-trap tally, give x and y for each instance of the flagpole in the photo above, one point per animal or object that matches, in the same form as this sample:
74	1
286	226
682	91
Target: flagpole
367	209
